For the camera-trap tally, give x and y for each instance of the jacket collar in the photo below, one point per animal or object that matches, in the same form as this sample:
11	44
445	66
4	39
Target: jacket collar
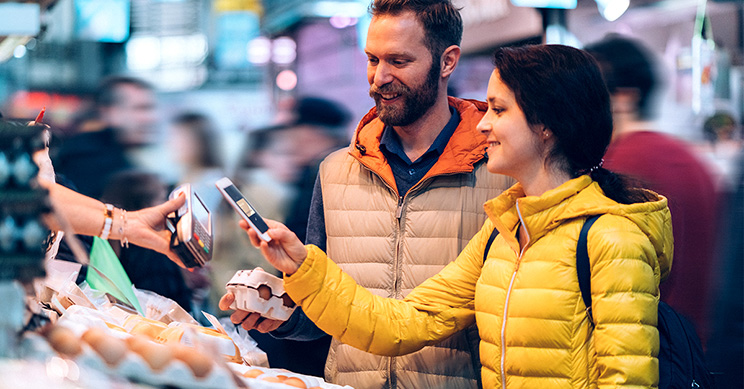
579	198
465	148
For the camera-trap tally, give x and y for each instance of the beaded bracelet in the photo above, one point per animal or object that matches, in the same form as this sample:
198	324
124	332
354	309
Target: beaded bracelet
108	213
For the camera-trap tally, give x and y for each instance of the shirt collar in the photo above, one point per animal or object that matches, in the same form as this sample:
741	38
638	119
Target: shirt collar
390	141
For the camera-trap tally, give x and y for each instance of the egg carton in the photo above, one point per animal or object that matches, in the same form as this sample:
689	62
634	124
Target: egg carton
267	378
258	291
176	373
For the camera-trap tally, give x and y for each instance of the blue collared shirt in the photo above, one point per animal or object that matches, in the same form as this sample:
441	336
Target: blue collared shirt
406	172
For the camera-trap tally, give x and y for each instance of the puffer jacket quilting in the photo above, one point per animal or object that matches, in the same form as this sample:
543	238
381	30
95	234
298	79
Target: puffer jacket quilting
390	248
549	342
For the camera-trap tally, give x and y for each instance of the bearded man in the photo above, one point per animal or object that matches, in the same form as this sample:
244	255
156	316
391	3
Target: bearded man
405	197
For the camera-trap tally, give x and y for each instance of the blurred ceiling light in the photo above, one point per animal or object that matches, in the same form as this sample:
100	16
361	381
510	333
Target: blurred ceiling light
259	50
143	53
284	50
341	21
286	80
612	9
327	9
19	51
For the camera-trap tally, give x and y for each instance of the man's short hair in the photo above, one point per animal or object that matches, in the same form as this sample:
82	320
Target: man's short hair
440	18
107	95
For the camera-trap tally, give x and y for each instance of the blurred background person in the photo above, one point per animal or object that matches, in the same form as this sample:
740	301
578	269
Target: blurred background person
723	144
666	165
122	117
726	346
194	143
319	126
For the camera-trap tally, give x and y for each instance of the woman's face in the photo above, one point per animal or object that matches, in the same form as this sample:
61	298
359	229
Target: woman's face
514	148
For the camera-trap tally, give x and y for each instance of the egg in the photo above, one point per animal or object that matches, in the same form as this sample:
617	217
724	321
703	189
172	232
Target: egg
295	382
111	349
199	363
264	291
287	301
156	355
64	341
271	379
253	373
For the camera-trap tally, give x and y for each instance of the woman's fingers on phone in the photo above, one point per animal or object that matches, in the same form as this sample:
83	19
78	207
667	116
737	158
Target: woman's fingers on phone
255	240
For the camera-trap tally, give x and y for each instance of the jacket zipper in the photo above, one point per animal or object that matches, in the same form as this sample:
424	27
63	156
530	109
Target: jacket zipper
506	303
392	378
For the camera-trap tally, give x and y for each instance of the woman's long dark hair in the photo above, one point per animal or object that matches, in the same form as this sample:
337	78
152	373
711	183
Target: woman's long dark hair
561	88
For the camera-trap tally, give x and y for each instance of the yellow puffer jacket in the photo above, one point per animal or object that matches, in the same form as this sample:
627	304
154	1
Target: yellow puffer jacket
546	339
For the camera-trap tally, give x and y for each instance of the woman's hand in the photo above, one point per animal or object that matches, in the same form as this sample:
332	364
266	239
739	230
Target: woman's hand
285	251
146	228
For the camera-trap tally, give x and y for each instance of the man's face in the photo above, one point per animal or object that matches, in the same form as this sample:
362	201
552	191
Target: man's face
134	116
404	82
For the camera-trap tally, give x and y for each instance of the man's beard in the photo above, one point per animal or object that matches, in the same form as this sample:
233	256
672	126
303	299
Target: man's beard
416	102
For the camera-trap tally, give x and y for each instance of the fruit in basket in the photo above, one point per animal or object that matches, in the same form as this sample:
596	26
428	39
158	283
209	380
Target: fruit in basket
110	348
156	355
64	341
199	363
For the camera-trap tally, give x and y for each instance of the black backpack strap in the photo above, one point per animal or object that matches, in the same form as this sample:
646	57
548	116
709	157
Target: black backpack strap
488	245
582	265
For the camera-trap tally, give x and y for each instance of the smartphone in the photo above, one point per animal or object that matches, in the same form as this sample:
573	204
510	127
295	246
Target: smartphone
243	207
193	229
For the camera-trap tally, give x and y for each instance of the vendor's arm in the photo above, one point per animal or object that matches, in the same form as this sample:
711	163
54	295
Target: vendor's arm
85	216
624	308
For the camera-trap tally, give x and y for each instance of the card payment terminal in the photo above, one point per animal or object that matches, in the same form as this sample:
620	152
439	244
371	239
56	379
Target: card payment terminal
191	226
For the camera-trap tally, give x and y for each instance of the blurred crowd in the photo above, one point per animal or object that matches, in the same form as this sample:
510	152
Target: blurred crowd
277	172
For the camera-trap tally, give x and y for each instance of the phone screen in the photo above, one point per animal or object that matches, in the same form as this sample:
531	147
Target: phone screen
247	209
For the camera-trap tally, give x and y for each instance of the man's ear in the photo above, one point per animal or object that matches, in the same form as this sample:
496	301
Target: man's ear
450	58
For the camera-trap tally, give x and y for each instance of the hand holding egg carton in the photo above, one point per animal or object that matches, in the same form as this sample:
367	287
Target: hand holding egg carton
258	291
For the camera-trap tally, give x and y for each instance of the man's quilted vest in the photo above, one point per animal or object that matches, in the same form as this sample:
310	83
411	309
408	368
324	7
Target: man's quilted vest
391	245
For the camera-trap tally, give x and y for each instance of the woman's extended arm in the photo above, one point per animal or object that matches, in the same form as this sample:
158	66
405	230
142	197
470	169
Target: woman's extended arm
340	307
86	216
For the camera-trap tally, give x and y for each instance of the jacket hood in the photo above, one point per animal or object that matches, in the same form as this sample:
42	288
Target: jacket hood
465	148
582	197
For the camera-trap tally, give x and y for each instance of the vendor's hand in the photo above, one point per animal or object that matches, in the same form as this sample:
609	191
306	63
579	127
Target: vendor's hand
285	251
248	320
146	228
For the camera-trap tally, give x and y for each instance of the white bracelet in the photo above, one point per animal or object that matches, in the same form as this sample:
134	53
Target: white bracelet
108	213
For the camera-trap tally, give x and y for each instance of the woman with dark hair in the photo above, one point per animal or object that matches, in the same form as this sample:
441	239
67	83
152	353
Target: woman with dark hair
548	126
